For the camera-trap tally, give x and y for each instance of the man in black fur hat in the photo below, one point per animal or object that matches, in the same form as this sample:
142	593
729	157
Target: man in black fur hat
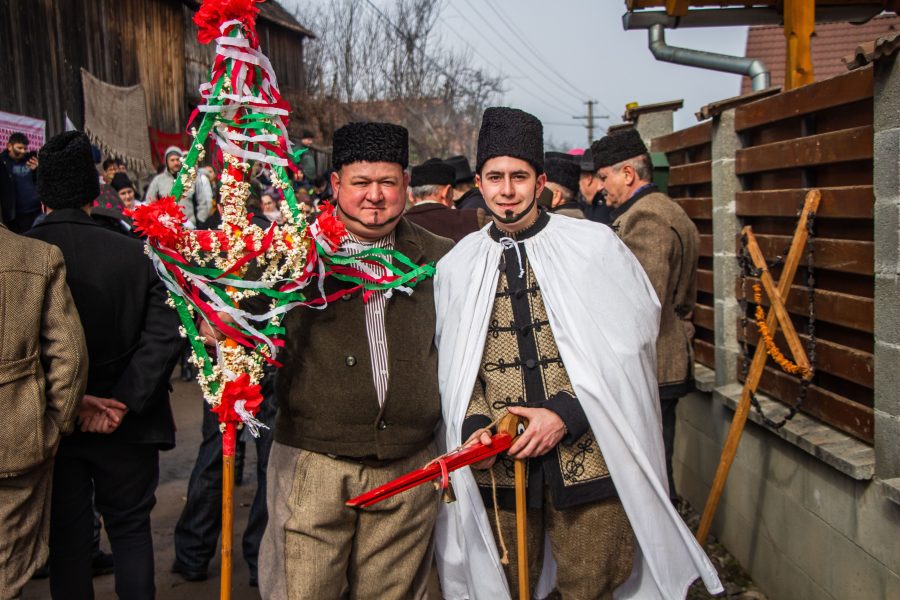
516	334
665	241
358	403
562	180
431	194
125	417
465	193
590	191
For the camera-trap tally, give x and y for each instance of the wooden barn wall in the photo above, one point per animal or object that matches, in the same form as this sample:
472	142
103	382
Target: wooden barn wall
818	136
123	42
285	50
689	152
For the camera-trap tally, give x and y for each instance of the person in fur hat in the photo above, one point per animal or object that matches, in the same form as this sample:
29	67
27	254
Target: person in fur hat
665	242
431	196
358	403
515	335
562	181
124	417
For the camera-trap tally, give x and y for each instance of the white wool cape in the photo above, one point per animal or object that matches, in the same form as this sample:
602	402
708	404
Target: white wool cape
604	316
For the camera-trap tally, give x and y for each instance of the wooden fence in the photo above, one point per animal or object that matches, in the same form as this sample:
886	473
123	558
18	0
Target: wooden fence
689	152
818	136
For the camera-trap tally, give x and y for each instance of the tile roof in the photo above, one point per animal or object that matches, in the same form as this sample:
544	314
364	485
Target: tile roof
830	44
872	51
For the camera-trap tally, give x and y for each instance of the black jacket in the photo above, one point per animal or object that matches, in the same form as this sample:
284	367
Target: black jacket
132	336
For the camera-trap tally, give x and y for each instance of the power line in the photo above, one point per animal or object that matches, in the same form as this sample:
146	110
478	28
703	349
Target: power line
523	39
487	39
507	22
590	116
535	97
506	41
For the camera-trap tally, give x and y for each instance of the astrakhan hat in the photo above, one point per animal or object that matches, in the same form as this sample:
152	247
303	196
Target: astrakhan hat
511	132
433	171
370	142
66	176
616	147
562	171
462	167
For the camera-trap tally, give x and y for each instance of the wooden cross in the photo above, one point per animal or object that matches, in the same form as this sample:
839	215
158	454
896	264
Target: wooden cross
777	315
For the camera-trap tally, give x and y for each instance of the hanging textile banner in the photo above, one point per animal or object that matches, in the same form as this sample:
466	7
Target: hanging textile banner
34	129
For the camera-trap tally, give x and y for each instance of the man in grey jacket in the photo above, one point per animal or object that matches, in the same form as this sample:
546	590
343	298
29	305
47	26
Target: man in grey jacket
43	372
196	204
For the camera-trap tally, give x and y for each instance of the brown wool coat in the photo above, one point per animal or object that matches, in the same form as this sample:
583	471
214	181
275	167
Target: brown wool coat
327	401
43	357
665	242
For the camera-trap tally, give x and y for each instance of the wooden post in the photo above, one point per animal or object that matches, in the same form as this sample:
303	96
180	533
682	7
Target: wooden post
798	245
776	301
799	25
227	519
522	531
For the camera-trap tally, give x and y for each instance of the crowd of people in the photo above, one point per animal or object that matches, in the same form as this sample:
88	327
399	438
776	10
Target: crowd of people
563	295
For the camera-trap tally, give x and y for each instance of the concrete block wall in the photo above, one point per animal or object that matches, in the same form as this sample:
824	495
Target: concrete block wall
887	267
802	529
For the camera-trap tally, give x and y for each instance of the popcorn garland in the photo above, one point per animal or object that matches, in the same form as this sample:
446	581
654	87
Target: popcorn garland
204	270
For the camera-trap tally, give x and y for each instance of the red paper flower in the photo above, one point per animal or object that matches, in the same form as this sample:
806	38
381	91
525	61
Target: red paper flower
330	226
160	221
213	13
236	390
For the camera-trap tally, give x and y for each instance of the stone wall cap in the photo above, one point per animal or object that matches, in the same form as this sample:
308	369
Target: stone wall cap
633	111
714	109
835	448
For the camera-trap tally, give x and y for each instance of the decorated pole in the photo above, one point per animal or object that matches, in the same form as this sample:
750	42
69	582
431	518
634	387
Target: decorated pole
241	280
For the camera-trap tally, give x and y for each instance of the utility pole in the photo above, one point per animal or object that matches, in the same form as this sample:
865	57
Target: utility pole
590	116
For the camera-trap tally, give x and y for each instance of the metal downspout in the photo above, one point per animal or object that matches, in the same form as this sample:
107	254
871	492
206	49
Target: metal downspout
751	67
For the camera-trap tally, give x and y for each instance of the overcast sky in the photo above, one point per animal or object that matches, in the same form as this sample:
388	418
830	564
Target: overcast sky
586	55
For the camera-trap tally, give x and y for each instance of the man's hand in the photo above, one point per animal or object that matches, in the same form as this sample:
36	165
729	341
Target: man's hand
545	430
32	163
211	335
100	415
482	436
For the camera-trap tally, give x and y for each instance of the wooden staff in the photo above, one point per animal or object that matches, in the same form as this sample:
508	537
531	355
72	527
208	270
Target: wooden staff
729	451
227	509
522	530
514	426
229	439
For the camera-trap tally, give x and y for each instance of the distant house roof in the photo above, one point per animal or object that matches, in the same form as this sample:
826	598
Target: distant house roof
273	11
831	43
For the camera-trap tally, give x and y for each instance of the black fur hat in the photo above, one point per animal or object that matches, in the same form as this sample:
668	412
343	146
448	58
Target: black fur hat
616	147
66	176
510	132
433	171
562	171
463	169
120	181
370	142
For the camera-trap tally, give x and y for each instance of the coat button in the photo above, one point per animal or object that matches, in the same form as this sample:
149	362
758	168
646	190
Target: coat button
531	363
382	425
351	361
346	297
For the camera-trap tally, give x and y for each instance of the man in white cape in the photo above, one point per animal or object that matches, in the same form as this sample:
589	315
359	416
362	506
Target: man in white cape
604	318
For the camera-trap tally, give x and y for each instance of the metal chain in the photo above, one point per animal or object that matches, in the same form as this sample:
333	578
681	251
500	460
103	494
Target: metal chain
747	269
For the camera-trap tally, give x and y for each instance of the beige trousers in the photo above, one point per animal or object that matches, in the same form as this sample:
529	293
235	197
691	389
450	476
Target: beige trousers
24	526
315	548
593	546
